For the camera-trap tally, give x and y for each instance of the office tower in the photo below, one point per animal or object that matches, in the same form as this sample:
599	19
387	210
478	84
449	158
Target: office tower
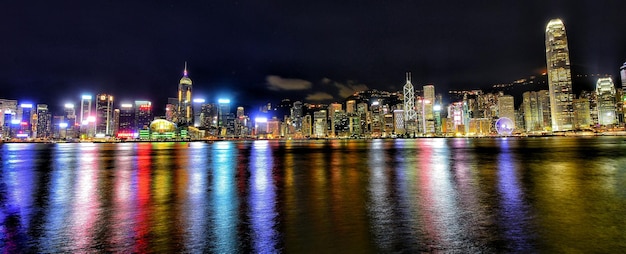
350	106
26	120
197	112
536	110
115	122
410	115
296	115
622	72
184	112
70	114
428	102
104	114
506	107
399	127
44	121
85	108
170	109
605	91
7	107
319	124
582	114
223	109
559	76
143	115
127	126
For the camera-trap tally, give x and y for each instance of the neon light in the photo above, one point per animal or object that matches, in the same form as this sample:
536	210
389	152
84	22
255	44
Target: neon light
22	135
127	105
62	125
26	105
15	121
223	101
261	119
197	100
69	105
86	97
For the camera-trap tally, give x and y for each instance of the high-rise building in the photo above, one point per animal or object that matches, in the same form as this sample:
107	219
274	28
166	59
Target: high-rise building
605	90
559	76
582	115
143	114
428	102
85	108
104	114
506	107
26	120
184	112
622	72
127	125
44	121
410	115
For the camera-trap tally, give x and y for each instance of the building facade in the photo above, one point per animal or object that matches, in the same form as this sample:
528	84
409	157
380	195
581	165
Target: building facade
559	76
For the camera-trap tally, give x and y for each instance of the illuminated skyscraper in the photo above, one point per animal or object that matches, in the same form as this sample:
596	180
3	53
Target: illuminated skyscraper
85	108
143	114
606	101
559	76
506	107
127	125
184	112
428	118
44	121
410	115
104	114
622	72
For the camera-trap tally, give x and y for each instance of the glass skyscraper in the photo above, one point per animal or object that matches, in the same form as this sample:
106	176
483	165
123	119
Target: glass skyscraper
559	76
184	112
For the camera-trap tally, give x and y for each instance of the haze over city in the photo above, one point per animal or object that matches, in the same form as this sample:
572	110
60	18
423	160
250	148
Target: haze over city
53	52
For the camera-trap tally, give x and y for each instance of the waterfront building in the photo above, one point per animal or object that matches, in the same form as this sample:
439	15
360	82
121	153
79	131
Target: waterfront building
399	126
506	107
184	113
319	124
143	114
582	114
127	126
410	115
427	116
306	126
559	76
85	108
43	122
170	109
104	115
296	116
622	72
69	117
8	110
605	91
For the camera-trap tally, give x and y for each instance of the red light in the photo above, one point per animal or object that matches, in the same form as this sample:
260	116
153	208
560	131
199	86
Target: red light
23	123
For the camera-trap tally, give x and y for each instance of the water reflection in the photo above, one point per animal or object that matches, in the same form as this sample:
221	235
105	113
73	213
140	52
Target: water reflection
417	195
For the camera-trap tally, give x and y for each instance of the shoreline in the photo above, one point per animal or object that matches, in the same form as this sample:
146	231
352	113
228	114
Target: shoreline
586	135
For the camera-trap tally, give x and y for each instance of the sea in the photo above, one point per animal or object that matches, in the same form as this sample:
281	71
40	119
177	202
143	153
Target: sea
442	195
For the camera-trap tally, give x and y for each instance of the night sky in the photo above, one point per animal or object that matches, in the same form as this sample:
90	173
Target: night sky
262	51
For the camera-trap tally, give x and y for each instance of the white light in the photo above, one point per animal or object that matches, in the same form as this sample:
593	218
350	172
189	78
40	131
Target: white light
100	135
197	100
69	105
223	101
15	121
261	119
127	105
62	125
91	119
86	97
26	105
437	107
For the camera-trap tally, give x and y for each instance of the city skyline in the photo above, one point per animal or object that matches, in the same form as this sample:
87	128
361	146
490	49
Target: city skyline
315	51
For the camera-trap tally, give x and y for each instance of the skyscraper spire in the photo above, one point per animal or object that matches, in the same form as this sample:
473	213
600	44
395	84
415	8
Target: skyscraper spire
185	71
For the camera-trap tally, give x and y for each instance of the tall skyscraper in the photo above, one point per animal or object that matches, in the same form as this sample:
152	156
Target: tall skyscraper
559	76
605	90
428	102
44	121
85	108
143	114
622	72
127	125
184	111
104	114
410	115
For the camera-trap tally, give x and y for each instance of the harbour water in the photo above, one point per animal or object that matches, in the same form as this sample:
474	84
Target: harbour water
554	194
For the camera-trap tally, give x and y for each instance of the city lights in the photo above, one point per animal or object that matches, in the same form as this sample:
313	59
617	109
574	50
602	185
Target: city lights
223	101
198	100
69	105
